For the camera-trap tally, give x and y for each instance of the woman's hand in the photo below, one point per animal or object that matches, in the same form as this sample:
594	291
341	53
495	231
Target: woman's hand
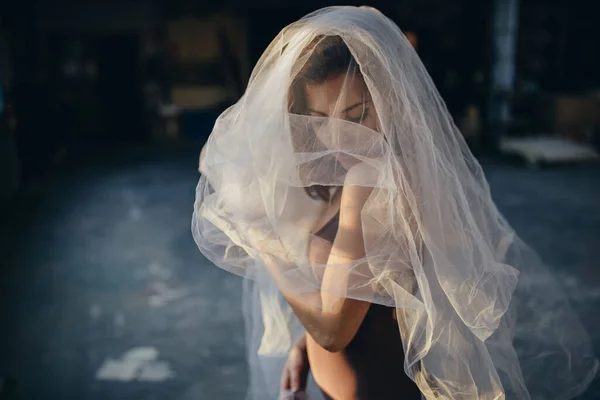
295	372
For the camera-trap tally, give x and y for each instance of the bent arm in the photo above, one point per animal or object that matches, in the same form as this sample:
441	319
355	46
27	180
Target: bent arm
335	323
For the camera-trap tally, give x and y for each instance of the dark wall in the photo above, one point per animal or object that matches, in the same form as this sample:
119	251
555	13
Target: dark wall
558	50
119	87
78	77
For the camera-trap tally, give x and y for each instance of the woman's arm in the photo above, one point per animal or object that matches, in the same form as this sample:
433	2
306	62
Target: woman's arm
200	161
336	322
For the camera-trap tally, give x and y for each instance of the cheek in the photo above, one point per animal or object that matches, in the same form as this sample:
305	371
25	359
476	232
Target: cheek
372	122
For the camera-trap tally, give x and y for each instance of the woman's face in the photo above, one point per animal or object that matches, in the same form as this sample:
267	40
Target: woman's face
343	97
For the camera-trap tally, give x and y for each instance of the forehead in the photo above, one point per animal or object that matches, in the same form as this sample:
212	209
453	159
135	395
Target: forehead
339	91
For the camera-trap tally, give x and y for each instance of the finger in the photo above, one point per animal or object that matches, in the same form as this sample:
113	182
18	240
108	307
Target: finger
285	378
295	365
295	379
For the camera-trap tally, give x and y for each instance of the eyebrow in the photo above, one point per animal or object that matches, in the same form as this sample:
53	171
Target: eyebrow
353	106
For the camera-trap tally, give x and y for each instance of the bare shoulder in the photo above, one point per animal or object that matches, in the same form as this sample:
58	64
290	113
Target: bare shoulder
362	174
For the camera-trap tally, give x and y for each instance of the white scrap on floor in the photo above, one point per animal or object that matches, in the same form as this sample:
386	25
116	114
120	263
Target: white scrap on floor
551	149
95	312
157	371
163	294
139	363
119	320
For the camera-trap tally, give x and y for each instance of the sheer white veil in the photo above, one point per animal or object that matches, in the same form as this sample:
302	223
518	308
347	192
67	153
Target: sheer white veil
474	321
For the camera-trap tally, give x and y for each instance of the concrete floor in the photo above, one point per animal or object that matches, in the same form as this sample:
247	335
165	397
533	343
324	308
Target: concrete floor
104	295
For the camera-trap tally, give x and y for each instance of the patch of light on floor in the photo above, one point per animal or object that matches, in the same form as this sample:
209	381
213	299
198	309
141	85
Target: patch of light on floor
156	270
140	363
135	214
163	294
119	320
157	371
95	312
548	148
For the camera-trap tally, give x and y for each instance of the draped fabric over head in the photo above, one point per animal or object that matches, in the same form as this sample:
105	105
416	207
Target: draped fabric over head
472	318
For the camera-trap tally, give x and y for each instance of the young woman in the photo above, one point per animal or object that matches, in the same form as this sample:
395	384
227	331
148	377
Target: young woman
341	188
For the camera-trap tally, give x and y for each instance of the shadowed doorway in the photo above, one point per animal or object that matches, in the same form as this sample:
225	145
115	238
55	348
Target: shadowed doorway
119	87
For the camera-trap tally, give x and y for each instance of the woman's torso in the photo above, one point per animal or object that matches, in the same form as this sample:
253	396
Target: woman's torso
371	367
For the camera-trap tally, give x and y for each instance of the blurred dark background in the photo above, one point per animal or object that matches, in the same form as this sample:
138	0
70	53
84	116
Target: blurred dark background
105	105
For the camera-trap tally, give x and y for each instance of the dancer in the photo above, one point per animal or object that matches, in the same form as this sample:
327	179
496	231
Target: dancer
341	188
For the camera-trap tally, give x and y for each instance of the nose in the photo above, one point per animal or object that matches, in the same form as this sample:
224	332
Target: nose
330	132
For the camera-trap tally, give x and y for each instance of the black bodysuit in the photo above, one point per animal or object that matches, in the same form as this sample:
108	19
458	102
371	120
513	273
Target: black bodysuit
375	353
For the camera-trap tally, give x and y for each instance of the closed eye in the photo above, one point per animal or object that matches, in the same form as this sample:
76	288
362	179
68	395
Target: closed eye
314	113
358	114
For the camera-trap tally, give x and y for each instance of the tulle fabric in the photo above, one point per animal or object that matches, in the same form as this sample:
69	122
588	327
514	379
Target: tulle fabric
474	322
